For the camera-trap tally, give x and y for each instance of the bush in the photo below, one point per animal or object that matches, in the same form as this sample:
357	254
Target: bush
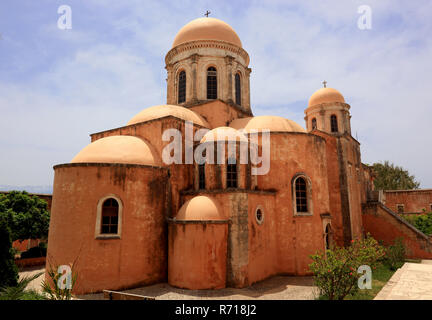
8	269
395	254
35	252
421	222
335	271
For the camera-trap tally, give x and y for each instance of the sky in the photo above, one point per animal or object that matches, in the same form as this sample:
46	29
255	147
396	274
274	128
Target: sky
57	86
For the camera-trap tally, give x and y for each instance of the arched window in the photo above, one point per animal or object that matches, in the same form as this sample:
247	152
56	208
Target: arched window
182	87
301	191
237	89
314	124
231	175
201	176
328	237
211	83
110	213
333	123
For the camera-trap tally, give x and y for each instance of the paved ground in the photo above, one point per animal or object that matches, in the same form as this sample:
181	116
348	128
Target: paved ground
275	288
35	284
413	281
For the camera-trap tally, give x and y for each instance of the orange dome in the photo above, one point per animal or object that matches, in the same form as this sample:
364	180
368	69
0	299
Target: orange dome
272	123
118	149
161	111
326	95
207	29
224	134
200	208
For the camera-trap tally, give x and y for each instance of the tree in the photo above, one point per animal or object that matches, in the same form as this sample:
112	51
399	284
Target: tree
8	269
27	216
391	177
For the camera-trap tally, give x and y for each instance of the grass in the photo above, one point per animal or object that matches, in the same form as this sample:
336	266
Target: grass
380	276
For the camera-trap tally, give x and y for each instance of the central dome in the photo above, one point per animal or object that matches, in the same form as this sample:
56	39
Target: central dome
207	29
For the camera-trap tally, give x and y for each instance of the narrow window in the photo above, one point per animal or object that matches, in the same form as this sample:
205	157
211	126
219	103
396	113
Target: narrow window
201	176
211	83
333	123
400	208
328	235
110	209
301	195
231	175
430	207
314	125
182	87
237	89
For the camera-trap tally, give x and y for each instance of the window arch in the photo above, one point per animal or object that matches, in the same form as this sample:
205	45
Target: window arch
211	83
182	87
109	217
333	123
237	89
302	195
314	123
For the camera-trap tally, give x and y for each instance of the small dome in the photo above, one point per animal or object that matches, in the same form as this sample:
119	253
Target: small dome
118	149
161	111
326	95
224	134
272	123
200	208
207	29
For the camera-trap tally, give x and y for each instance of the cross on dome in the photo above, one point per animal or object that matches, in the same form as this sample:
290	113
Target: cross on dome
207	13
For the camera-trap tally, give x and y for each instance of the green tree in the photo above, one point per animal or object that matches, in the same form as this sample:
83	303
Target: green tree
8	269
27	216
391	177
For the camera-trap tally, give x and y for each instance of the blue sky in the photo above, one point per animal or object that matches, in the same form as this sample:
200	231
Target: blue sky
58	86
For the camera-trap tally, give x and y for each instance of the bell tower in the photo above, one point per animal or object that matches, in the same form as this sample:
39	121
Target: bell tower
327	111
206	63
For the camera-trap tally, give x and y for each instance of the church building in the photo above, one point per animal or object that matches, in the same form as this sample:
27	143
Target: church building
128	218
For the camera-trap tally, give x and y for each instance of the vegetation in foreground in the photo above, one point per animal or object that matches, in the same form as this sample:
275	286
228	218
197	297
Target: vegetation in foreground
337	274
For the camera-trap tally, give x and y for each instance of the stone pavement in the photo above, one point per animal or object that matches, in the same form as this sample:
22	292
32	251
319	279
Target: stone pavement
274	288
413	281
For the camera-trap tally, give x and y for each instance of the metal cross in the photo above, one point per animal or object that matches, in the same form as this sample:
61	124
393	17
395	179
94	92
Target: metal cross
325	84
207	13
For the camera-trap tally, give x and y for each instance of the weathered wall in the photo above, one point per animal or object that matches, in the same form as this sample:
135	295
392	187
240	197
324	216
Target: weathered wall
197	254
385	225
139	256
298	236
414	201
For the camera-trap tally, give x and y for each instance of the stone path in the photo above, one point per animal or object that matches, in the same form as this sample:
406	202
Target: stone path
275	288
413	281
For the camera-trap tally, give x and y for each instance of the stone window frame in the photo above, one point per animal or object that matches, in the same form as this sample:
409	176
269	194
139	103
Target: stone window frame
398	205
328	236
314	124
308	195
259	221
98	234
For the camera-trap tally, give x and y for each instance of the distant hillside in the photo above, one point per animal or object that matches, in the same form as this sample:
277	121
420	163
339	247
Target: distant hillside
29	189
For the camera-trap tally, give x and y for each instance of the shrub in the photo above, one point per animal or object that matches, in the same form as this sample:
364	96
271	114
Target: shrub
19	292
422	222
335	271
395	254
35	252
8	269
51	286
